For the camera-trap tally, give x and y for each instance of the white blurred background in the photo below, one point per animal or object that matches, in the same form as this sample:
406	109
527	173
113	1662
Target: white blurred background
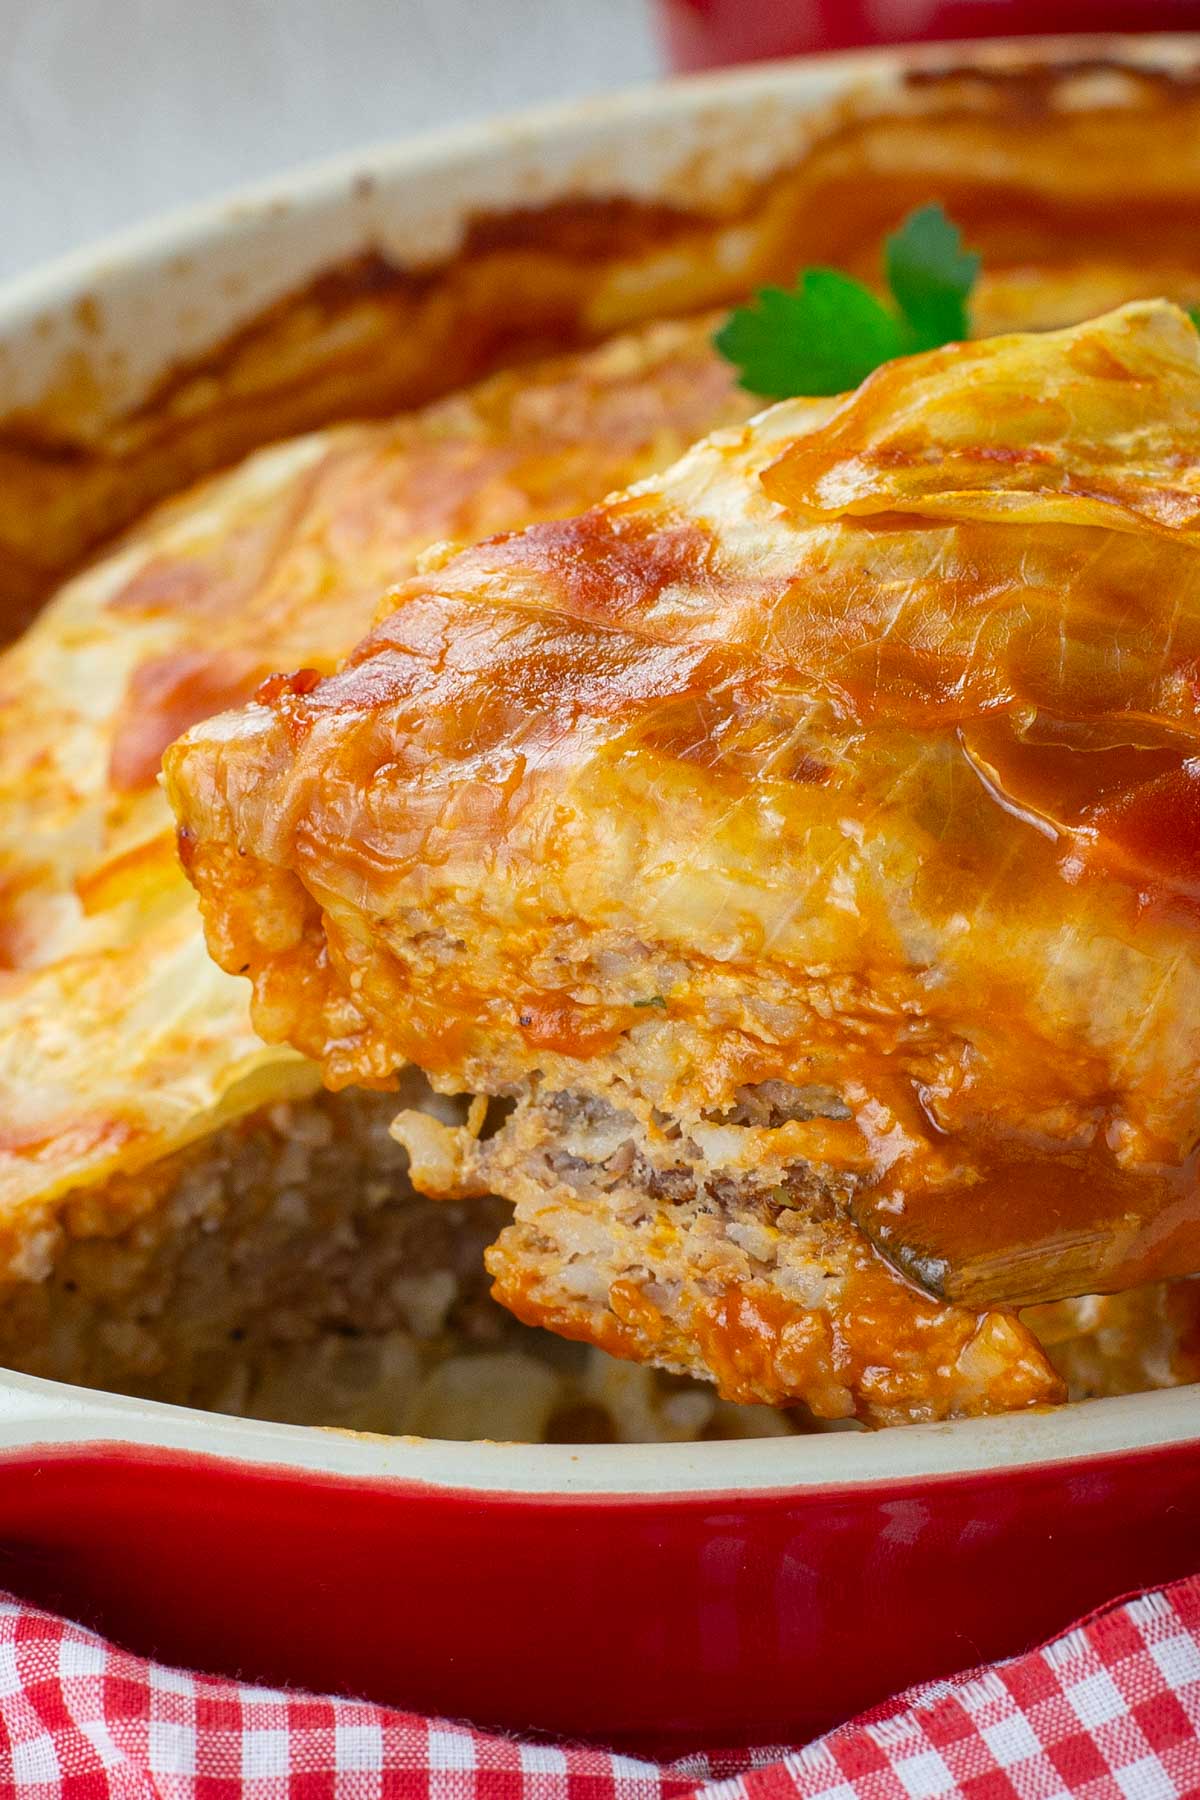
111	110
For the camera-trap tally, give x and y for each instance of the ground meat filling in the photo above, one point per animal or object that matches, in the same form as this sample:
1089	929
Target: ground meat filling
770	1104
705	1255
708	1247
285	1269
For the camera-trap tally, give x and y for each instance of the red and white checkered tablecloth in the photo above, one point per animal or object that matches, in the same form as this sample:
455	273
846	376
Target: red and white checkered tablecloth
1110	1708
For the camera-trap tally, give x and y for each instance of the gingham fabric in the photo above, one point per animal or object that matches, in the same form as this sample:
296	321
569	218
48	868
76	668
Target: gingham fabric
1111	1708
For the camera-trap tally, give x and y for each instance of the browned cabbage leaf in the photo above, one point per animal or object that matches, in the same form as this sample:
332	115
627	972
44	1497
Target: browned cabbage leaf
1098	425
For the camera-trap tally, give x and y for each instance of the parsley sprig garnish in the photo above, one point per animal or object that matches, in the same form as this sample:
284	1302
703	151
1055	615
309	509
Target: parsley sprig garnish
827	333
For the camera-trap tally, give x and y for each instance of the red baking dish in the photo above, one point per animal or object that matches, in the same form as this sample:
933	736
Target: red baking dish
652	1595
708	34
657	1596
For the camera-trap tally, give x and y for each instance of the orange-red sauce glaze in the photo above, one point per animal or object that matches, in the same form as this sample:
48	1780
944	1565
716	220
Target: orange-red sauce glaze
165	695
882	1352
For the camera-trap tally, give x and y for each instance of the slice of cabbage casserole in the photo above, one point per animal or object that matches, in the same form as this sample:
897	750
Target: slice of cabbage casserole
796	860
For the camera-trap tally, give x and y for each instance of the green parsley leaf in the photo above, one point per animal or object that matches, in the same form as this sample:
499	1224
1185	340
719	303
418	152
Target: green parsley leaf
931	277
827	333
1193	313
654	1000
823	337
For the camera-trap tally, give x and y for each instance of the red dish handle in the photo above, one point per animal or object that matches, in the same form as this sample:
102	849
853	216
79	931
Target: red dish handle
705	34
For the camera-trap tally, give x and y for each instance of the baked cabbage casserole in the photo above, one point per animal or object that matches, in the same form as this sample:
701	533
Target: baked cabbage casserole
802	848
674	877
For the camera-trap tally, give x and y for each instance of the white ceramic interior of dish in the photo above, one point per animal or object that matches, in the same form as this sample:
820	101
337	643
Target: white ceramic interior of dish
167	291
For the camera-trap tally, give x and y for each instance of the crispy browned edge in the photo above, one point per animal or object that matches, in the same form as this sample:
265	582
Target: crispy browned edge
368	338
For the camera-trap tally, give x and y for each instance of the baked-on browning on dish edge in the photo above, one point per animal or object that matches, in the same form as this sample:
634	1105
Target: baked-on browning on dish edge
803	841
1025	152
